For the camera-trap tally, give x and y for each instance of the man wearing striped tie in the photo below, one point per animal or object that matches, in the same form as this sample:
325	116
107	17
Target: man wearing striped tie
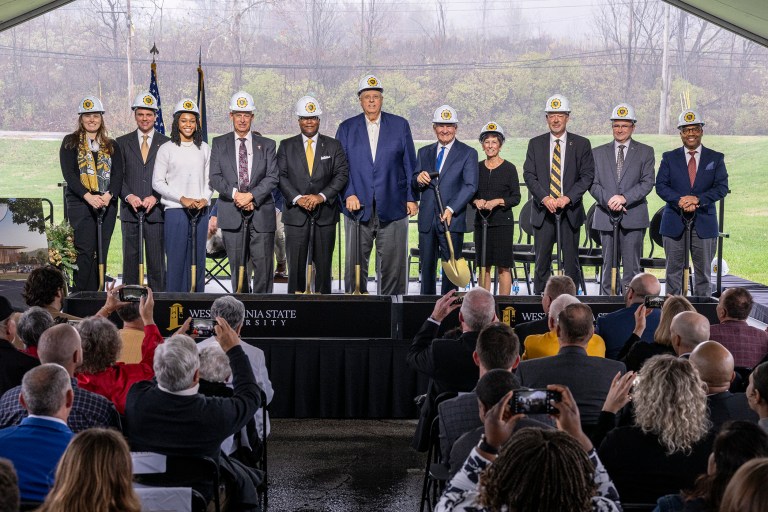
558	170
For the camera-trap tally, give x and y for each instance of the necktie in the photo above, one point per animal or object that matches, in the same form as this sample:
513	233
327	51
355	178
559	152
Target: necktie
144	148
692	167
440	156
555	187
242	165
310	155
620	162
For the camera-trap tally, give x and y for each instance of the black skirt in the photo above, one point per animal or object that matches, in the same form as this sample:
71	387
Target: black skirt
499	247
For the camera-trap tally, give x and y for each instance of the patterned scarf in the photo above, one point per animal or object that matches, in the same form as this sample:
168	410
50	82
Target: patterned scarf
95	176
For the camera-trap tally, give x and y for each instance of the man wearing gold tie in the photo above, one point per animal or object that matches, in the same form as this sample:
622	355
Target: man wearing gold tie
313	172
138	149
558	170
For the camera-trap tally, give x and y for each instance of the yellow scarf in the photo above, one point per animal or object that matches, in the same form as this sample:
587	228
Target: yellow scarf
93	175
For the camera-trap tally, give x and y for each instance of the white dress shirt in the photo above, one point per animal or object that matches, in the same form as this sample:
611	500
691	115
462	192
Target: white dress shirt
373	134
149	134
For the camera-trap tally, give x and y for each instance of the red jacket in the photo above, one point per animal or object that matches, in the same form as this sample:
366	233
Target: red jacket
115	381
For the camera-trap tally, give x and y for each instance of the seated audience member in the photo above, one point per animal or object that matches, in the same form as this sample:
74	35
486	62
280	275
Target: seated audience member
555	287
715	366
532	469
170	416
95	473
668	446
13	363
35	446
448	362
132	333
757	393
747	344
490	389
747	492
588	378
9	487
737	443
100	371
688	329
233	311
61	345
30	325
635	353
616	327
497	348
545	345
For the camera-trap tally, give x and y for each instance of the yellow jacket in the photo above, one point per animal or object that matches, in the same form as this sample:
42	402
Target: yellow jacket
544	345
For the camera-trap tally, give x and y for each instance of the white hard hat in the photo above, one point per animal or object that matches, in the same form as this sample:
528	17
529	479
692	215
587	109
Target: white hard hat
445	114
369	82
145	100
492	127
689	117
558	103
90	105
241	102
714	267
623	112
186	105
307	106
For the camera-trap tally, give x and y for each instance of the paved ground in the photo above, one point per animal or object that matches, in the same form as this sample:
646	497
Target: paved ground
343	465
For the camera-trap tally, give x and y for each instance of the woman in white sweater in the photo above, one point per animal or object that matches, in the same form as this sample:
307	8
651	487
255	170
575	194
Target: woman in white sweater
181	179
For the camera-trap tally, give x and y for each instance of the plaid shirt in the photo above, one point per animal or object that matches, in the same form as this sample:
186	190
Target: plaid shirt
747	344
88	410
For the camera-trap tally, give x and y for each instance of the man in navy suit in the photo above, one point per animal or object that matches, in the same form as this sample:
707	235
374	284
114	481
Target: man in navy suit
244	173
691	180
36	445
456	164
558	170
382	158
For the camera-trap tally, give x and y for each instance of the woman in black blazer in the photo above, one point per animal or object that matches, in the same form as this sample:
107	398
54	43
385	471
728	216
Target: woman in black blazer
498	191
93	169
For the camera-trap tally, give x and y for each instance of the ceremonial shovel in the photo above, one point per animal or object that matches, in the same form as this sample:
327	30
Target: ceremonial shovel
356	217
247	216
456	270
615	218
309	274
484	214
140	216
558	253
100	212
688	221
193	213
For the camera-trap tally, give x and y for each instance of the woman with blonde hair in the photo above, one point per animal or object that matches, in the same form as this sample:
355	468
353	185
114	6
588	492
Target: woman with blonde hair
635	352
668	446
95	473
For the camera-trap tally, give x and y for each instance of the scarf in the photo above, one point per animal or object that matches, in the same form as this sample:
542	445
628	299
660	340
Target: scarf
93	175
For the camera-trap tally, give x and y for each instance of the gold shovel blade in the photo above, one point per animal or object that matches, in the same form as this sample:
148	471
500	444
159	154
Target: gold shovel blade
457	271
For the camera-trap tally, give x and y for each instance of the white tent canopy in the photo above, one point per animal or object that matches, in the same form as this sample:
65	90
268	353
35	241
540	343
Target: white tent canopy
748	18
14	12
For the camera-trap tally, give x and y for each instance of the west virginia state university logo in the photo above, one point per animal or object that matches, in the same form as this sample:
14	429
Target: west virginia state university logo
555	103
689	117
87	104
373	82
188	105
177	311
148	100
242	102
492	126
446	115
310	107
508	316
622	112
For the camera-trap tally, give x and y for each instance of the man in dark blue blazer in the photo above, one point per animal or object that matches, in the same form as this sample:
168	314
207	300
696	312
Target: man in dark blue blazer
456	164
382	158
691	179
36	445
558	170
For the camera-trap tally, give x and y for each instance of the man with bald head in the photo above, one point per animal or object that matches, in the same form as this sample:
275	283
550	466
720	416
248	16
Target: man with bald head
747	344
715	365
617	327
555	287
544	345
60	344
688	329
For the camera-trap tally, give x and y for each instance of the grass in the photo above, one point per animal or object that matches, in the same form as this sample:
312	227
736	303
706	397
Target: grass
30	168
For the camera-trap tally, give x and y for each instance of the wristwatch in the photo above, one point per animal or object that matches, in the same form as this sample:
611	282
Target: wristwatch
487	447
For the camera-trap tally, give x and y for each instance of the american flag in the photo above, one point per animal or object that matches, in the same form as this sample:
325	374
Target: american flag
201	97
159	126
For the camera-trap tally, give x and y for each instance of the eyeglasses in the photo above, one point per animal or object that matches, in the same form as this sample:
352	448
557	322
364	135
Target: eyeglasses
690	130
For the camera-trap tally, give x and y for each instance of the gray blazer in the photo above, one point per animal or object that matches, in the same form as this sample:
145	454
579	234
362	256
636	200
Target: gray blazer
637	180
264	178
589	378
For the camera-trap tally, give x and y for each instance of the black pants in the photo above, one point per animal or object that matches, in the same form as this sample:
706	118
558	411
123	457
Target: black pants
84	222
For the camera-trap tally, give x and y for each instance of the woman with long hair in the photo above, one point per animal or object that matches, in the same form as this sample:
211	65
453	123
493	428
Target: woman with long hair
668	446
95	473
181	174
747	492
92	166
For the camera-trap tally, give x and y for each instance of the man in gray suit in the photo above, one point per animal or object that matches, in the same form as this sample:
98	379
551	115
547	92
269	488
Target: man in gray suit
588	378
138	149
624	176
244	173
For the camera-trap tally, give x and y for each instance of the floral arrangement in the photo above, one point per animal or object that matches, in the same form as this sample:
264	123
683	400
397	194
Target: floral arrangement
61	247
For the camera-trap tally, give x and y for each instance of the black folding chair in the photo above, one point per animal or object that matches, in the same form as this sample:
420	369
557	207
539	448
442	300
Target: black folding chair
590	251
435	472
523	253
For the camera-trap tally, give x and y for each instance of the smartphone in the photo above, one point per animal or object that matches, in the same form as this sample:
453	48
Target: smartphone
202	327
655	301
132	293
458	300
534	401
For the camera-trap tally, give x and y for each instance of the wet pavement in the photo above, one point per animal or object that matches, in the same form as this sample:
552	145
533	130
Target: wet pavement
343	465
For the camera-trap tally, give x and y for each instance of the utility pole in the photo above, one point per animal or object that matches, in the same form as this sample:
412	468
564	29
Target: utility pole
663	107
129	48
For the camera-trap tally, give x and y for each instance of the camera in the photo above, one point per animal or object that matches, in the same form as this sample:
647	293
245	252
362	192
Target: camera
202	327
534	401
654	301
459	299
132	293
